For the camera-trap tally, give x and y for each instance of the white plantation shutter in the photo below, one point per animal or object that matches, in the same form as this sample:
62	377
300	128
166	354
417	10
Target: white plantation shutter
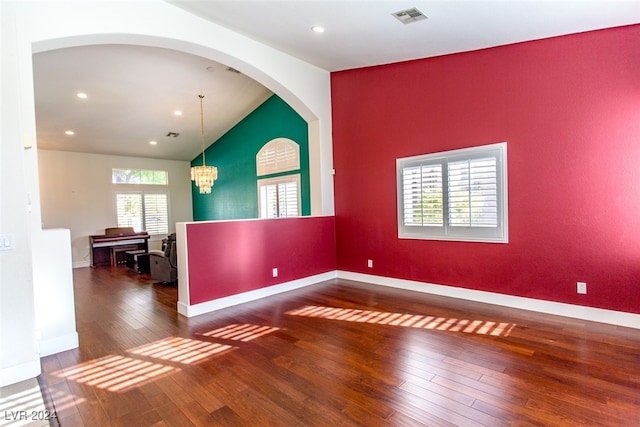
288	198
129	211
422	189
454	195
269	201
278	155
279	197
473	192
143	211
156	214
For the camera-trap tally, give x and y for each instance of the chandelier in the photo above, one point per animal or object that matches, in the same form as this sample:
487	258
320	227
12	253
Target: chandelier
204	175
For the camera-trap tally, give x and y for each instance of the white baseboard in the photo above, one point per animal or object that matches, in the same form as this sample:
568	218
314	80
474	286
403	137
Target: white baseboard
58	344
220	303
17	373
183	309
629	320
81	264
620	318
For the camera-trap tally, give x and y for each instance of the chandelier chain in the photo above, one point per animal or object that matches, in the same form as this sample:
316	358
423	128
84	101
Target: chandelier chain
202	127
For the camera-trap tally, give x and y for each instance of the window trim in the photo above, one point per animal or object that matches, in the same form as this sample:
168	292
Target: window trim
143	193
498	234
280	162
143	189
281	169
278	180
165	174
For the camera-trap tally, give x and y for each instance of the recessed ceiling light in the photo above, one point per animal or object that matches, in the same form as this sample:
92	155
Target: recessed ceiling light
317	29
153	142
82	95
177	113
69	132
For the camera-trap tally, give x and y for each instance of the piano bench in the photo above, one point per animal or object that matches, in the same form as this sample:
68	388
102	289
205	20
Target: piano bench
115	250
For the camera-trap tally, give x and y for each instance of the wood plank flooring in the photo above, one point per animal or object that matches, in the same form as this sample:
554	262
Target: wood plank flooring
339	353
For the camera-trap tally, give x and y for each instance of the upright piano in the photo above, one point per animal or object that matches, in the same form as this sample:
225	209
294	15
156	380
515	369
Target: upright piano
109	248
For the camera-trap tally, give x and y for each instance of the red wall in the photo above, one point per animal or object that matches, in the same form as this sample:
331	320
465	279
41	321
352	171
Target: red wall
569	109
231	257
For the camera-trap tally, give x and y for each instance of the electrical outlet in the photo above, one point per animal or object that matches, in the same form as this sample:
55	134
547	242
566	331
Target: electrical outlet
370	263
275	272
581	287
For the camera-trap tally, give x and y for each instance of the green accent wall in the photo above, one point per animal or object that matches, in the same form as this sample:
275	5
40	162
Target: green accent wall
235	192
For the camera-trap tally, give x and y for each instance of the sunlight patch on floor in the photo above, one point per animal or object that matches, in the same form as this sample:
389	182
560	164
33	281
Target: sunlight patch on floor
115	373
479	327
21	404
241	332
181	350
120	373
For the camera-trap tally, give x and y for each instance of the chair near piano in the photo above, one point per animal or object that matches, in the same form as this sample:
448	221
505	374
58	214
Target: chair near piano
164	264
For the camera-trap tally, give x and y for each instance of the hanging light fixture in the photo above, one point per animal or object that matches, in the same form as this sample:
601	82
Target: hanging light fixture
204	175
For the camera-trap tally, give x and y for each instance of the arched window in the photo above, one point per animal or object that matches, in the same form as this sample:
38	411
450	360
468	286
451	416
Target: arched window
278	170
278	155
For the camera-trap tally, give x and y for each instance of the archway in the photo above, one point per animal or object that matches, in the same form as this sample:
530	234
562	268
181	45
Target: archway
52	25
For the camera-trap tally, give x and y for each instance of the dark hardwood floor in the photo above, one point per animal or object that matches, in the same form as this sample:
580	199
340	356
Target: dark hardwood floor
339	353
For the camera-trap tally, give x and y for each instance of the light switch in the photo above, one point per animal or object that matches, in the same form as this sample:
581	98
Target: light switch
7	242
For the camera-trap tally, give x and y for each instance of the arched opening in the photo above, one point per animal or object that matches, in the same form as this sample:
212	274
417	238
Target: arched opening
305	88
80	247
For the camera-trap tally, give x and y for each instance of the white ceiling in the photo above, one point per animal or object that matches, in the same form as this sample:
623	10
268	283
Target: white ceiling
363	33
133	91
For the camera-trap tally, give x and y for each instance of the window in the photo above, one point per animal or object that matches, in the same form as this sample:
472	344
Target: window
279	195
142	201
138	176
143	211
278	155
454	195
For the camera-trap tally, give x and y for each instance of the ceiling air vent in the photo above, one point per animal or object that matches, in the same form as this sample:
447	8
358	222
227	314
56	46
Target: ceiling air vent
410	15
233	70
173	134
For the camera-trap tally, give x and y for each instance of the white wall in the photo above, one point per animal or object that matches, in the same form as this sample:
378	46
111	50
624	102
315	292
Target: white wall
76	193
18	349
54	296
31	27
